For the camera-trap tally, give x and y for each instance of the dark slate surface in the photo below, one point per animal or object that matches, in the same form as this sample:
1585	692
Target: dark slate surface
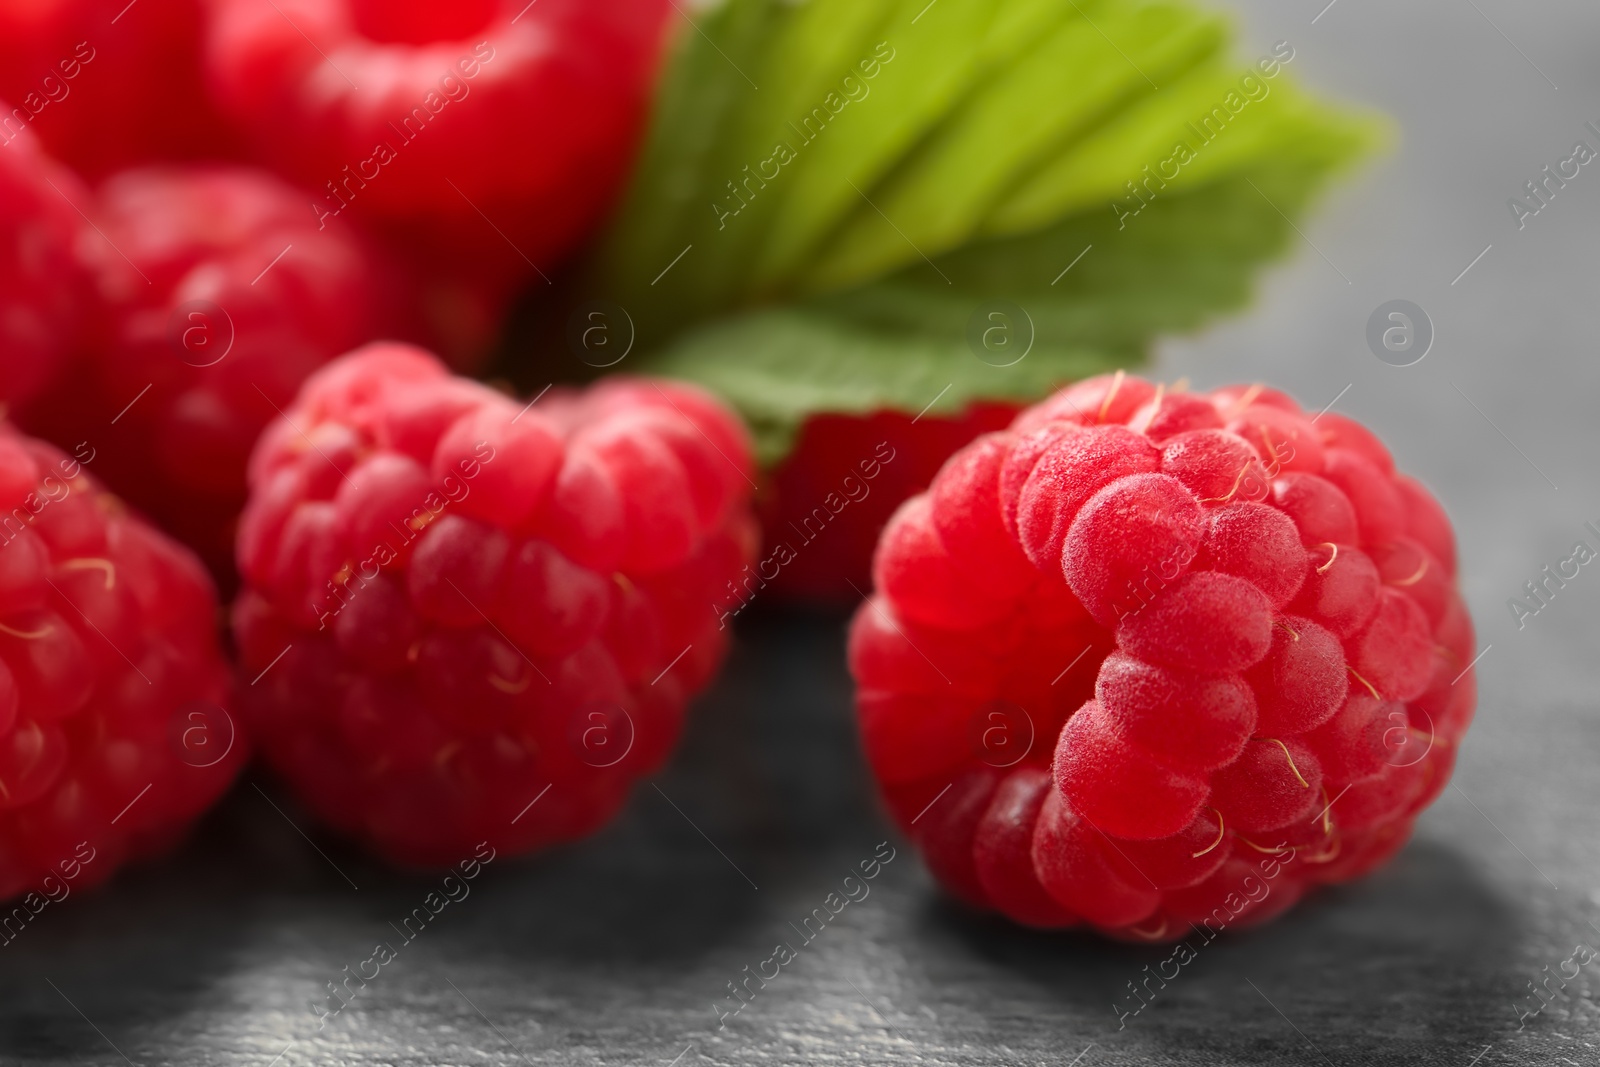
617	950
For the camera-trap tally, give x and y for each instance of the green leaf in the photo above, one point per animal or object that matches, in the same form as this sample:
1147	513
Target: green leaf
901	341
780	366
835	191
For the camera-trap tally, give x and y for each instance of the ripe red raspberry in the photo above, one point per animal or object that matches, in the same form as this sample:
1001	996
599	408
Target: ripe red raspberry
43	289
496	130
1147	659
219	296
830	497
108	85
113	730
476	601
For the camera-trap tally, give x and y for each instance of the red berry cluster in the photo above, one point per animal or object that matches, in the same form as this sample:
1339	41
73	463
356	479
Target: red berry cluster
1141	639
114	732
216	297
1123	644
203	204
458	603
407	174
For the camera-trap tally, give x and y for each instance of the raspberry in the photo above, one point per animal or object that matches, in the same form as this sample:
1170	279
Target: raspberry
113	733
43	289
1142	653
219	297
457	123
831	495
107	87
476	601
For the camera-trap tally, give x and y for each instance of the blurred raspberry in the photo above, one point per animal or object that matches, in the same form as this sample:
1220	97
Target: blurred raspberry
219	296
43	288
113	729
108	86
460	602
829	498
492	132
1145	660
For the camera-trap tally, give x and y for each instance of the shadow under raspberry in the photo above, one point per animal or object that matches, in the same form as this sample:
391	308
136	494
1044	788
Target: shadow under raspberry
1415	964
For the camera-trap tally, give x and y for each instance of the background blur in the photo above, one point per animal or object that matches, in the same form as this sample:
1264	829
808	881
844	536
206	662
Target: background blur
615	950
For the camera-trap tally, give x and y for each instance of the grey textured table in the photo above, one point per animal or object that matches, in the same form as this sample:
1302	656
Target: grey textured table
617	950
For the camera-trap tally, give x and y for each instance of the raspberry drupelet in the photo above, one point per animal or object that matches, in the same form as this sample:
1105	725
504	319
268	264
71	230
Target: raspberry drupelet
1143	646
115	728
478	620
